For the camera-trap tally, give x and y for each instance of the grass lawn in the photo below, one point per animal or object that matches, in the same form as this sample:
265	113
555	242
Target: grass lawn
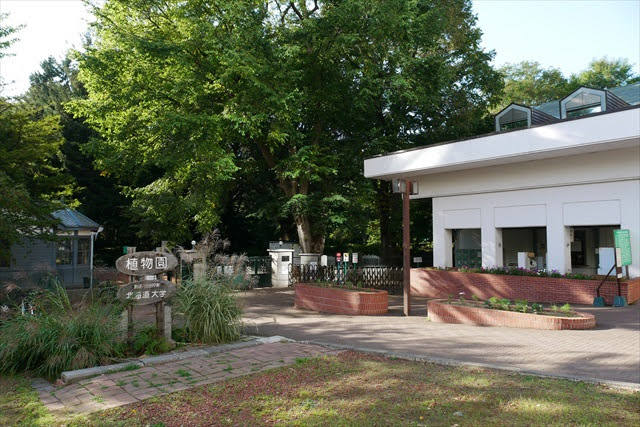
358	389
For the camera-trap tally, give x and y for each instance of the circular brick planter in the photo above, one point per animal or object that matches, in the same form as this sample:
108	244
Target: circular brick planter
441	312
340	300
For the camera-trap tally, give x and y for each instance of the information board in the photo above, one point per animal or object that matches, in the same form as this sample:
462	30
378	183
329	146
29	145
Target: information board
622	240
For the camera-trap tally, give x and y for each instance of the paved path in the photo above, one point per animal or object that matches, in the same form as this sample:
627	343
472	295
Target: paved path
121	388
610	352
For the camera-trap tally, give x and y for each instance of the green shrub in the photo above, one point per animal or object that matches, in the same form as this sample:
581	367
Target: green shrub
59	337
566	308
505	304
522	306
475	298
494	302
148	342
536	308
212	313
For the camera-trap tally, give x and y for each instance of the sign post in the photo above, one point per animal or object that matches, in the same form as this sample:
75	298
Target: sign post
622	239
149	290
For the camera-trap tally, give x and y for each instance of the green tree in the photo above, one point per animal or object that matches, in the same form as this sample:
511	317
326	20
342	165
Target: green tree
185	94
52	86
606	73
31	180
529	84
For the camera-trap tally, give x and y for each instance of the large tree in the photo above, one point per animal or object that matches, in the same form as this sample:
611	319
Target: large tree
32	183
185	93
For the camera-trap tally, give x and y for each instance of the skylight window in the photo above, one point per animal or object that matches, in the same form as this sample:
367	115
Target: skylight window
513	117
582	102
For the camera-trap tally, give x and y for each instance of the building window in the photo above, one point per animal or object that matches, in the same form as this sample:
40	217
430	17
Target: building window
83	251
64	252
582	102
513	117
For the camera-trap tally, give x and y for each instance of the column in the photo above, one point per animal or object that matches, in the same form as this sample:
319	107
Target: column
558	240
491	240
442	240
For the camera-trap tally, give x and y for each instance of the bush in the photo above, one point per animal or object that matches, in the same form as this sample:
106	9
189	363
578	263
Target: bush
148	342
211	311
59	337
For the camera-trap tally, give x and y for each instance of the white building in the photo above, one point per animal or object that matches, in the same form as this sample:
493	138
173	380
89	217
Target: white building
553	180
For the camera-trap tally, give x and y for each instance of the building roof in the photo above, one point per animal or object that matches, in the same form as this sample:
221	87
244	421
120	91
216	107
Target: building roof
609	130
71	219
628	93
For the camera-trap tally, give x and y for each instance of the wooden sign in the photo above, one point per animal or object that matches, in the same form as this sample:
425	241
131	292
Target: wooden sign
146	292
146	263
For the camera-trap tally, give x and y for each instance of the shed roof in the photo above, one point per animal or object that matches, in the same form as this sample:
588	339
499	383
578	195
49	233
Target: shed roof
71	219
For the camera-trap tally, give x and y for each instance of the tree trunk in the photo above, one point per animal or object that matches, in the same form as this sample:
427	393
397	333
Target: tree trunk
310	242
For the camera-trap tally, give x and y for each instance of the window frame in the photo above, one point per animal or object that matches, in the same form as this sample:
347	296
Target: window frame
522	108
597	92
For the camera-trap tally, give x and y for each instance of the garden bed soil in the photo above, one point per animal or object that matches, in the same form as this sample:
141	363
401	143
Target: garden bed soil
442	312
350	301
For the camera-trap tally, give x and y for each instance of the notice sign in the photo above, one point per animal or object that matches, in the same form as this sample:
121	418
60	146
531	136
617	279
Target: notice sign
622	240
346	256
417	259
354	257
146	292
146	263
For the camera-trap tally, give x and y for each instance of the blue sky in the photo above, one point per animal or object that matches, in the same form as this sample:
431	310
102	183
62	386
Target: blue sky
556	33
561	34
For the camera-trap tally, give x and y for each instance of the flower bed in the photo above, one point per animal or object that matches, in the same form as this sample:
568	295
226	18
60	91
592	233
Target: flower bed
341	300
440	283
442	312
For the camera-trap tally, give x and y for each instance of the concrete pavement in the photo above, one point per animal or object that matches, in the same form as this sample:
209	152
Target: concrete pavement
608	353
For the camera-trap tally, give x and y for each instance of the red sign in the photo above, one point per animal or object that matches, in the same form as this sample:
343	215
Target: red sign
338	257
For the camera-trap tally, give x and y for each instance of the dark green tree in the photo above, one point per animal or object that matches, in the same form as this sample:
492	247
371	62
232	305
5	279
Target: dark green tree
31	180
54	85
189	97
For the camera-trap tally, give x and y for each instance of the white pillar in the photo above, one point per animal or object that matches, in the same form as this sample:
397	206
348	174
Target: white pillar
491	245
442	240
558	240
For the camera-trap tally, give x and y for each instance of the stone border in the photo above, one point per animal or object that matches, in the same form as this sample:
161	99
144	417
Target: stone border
341	301
441	312
70	377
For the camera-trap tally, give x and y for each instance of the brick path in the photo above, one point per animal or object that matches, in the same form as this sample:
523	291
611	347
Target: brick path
121	388
610	352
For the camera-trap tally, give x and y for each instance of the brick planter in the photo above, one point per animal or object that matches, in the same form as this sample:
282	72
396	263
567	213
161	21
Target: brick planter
341	301
440	284
441	312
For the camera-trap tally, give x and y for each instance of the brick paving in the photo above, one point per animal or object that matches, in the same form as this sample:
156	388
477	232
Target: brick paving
609	352
121	388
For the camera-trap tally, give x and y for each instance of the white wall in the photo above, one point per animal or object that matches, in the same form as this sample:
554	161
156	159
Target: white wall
598	202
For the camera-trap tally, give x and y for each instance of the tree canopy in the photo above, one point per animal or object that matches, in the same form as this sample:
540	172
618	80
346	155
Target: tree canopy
192	99
32	184
530	84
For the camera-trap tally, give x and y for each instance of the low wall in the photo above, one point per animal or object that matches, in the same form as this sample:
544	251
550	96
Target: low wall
441	312
341	301
440	284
